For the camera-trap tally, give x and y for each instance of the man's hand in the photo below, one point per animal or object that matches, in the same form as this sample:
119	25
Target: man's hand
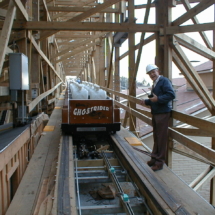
142	102
154	98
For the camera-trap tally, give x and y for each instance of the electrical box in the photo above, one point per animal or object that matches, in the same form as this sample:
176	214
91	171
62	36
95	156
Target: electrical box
18	71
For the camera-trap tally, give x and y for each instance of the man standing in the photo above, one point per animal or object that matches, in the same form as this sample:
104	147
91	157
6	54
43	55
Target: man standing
160	102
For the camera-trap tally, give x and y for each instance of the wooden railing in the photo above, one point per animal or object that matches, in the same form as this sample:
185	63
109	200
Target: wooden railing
203	127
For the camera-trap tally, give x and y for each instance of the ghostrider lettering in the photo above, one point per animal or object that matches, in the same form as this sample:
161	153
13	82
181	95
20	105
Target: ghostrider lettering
81	112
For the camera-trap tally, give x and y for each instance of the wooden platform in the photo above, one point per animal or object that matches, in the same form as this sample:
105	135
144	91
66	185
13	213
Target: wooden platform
39	168
172	194
163	188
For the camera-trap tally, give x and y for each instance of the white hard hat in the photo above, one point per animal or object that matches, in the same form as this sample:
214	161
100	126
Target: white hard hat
150	67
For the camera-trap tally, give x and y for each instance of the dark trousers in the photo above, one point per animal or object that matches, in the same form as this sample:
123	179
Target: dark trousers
160	124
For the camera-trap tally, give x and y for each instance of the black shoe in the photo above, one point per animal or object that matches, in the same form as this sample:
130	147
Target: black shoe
157	167
151	162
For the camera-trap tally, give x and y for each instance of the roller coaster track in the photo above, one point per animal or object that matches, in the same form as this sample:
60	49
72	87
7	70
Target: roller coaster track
120	167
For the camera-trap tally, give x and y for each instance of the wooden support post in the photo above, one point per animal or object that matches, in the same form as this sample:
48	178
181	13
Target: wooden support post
116	86
34	60
102	63
132	78
159	58
167	72
5	33
212	184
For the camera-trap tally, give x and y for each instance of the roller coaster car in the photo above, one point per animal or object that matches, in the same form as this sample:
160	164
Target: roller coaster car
90	116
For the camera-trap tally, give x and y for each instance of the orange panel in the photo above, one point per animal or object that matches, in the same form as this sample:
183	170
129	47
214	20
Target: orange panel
90	111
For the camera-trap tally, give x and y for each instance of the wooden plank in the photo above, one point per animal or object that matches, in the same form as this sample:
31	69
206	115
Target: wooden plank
80	4
207	98
54	207
87	26
5	33
188	77
197	147
212	183
38	169
145	178
77	45
43	55
12	170
133	141
208	177
190	28
46	8
20	6
142	39
146	41
49	128
202	124
193	11
134	113
110	61
130	98
178	186
72	53
80	9
40	97
199	177
194	132
88	13
41	197
195	21
195	46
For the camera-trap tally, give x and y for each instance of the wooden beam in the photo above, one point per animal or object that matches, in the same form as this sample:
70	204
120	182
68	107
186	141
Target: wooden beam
12	170
134	113
76	52
195	76
110	61
194	46
204	125
208	177
22	9
130	98
197	147
146	41
190	28
193	11
142	40
80	4
78	45
79	9
5	33
88	13
194	132
195	21
189	78
46	10
200	177
84	26
42	54
41	96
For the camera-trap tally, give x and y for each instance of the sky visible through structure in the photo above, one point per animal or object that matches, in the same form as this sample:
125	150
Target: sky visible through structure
148	53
